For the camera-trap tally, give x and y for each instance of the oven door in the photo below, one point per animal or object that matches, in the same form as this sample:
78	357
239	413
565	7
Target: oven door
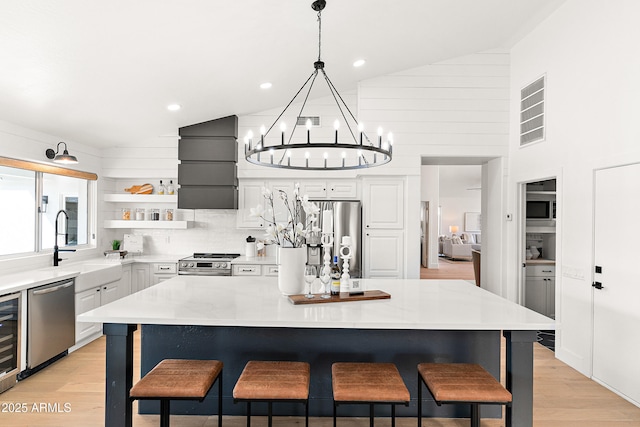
204	272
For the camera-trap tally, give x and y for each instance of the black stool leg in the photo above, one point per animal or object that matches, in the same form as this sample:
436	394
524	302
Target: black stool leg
220	400
371	415
164	412
475	415
419	400
334	413
393	415
248	413
306	413
270	413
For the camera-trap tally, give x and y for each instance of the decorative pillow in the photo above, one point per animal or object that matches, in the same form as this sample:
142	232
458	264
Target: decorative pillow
456	240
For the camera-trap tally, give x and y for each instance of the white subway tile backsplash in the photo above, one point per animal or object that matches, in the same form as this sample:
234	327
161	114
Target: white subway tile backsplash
211	231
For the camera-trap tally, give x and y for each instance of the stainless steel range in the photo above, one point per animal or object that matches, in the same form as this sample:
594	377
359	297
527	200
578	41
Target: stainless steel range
206	264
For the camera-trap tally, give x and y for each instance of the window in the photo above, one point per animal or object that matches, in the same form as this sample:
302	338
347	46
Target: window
32	194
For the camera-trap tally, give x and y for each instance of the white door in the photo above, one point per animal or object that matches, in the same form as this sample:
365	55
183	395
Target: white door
616	307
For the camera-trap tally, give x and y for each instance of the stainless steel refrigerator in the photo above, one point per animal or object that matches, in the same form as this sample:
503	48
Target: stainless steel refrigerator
347	221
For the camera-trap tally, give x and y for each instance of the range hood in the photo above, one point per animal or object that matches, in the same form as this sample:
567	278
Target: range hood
207	172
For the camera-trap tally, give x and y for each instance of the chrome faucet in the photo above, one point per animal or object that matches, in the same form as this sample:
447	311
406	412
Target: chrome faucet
66	238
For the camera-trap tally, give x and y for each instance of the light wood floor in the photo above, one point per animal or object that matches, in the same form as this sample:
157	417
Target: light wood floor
562	398
449	270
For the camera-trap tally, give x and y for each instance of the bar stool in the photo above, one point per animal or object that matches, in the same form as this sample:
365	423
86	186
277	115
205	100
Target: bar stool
370	383
273	381
460	383
179	379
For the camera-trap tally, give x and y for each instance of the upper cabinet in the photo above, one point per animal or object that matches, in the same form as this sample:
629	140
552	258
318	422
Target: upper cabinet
250	196
207	172
383	202
330	189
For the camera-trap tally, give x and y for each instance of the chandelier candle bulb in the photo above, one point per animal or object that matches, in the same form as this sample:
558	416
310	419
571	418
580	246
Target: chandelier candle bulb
283	127
336	126
306	158
361	130
308	124
271	155
344	156
262	132
326	156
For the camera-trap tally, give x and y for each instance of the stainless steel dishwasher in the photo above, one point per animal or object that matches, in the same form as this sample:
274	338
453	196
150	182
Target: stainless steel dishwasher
51	324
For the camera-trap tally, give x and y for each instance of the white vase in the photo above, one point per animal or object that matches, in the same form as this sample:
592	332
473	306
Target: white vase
291	263
535	253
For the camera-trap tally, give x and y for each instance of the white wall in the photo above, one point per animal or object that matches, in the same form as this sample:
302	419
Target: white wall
25	144
587	51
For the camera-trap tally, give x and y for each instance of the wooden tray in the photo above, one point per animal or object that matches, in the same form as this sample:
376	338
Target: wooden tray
343	297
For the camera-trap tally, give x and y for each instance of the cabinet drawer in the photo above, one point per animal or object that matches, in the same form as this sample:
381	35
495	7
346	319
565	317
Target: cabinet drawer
169	268
270	270
246	270
541	270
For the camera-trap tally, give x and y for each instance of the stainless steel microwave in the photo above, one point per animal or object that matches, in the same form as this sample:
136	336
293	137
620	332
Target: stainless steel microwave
541	209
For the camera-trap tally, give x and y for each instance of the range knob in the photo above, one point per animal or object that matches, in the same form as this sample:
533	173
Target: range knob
183	264
223	265
217	265
191	264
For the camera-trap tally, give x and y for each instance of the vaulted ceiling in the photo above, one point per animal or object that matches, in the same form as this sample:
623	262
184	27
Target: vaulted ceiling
102	73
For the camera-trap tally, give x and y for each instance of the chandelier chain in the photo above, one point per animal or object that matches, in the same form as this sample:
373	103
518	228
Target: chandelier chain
319	35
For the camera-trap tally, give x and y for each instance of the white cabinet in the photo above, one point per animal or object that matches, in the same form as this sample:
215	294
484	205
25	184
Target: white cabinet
540	289
94	298
255	270
383	226
383	253
86	301
249	196
140	277
330	189
383	202
143	201
163	271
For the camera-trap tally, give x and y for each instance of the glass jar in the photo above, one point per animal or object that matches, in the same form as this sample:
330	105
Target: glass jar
155	214
168	214
140	214
126	214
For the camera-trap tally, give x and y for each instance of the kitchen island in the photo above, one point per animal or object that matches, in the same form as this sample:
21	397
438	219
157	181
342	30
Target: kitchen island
235	319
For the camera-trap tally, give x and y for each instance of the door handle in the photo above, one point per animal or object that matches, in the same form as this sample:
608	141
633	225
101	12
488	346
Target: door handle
597	285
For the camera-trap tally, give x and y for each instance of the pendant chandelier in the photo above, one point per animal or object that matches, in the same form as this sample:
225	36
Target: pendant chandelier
357	152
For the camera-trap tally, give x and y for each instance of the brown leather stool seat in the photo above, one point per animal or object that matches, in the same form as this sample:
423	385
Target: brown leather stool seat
273	381
372	383
460	383
174	379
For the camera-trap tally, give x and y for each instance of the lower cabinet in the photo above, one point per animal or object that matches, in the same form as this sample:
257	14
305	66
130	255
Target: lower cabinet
254	270
540	289
163	271
383	253
96	297
140	277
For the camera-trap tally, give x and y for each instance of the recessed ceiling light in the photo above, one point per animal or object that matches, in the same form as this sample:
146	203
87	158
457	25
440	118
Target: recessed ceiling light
174	107
359	63
265	85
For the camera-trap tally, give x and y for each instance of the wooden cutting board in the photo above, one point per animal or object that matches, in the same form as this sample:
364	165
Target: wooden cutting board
343	297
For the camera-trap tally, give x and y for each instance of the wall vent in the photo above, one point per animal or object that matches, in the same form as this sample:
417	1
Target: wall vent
302	121
532	112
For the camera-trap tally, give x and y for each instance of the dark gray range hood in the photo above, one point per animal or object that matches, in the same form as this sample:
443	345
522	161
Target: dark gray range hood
207	173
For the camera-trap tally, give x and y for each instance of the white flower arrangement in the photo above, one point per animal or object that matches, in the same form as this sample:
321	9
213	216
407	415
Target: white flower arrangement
292	233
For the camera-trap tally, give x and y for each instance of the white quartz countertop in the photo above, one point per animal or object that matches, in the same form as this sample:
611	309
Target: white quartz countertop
16	282
256	302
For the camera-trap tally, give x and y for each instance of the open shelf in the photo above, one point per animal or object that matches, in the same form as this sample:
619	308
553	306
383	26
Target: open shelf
140	198
119	223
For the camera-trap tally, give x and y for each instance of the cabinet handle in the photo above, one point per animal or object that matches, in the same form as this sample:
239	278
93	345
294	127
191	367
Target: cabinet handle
98	290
